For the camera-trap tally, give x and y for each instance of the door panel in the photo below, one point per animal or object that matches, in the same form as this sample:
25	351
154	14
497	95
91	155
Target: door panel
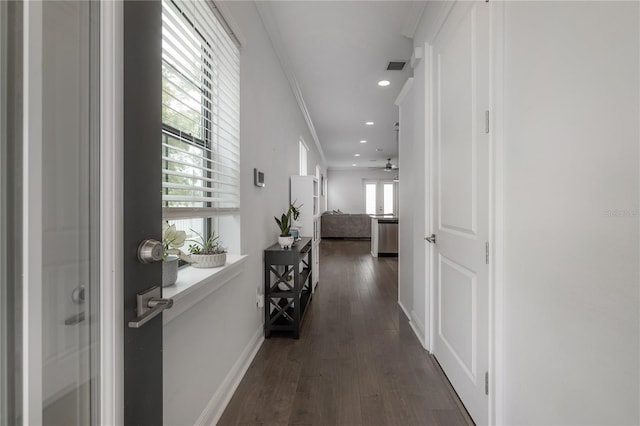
59	223
461	63
50	211
66	230
142	206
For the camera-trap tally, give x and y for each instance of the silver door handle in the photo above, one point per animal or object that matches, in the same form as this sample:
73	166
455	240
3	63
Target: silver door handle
431	239
149	305
74	319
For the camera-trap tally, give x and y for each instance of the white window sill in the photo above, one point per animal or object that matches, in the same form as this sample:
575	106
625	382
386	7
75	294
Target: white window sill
195	284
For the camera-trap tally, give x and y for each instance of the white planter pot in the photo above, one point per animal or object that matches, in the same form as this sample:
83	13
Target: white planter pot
285	242
208	260
170	270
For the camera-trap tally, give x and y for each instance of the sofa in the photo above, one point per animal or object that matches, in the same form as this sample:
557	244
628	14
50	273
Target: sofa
336	224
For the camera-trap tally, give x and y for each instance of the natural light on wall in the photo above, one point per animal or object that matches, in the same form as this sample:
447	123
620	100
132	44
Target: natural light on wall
201	118
303	157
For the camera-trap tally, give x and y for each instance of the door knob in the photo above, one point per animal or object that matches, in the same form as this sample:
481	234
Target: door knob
150	251
431	239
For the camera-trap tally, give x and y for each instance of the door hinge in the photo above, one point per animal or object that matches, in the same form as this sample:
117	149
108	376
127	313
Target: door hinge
486	252
486	383
486	121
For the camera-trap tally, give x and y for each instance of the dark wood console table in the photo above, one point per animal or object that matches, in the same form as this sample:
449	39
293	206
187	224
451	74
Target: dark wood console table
287	286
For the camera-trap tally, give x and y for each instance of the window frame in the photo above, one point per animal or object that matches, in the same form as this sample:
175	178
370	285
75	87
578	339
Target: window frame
303	157
211	123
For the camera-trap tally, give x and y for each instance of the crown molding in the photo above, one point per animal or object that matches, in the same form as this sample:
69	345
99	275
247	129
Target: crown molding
405	90
413	17
269	22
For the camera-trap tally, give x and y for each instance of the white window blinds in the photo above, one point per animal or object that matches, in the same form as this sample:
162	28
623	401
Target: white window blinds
200	112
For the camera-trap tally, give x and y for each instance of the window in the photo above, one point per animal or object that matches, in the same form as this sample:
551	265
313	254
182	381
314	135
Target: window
388	198
370	197
303	157
200	116
380	197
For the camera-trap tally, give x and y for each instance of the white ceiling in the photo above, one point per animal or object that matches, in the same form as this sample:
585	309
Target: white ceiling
336	52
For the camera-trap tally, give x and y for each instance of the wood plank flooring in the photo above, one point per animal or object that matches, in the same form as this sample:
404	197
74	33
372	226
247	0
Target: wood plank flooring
357	361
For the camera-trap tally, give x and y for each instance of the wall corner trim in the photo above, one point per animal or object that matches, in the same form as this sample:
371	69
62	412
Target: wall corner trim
416	56
266	16
413	18
220	399
403	92
406	312
418	329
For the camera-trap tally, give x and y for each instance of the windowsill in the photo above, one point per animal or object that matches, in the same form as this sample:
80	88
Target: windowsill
195	284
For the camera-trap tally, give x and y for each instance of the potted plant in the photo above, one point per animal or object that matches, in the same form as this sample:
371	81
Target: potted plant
172	240
296	225
207	252
284	223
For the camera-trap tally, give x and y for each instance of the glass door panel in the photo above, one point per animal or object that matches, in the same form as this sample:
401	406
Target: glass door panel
370	198
69	212
49	192
388	198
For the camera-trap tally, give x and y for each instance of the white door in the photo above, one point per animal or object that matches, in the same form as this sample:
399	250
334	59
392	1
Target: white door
460	169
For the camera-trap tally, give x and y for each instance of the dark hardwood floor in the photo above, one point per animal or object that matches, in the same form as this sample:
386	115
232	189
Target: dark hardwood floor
357	361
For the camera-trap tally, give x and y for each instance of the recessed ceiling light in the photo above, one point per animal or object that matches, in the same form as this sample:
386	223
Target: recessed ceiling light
384	83
363	141
356	155
369	123
353	164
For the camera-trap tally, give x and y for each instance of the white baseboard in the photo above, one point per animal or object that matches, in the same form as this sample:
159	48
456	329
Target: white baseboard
406	312
416	325
218	402
418	329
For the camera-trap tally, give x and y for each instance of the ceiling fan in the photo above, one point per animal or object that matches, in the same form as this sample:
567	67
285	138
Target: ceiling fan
390	167
387	167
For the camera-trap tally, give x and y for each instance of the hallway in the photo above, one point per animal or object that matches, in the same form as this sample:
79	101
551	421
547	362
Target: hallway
357	361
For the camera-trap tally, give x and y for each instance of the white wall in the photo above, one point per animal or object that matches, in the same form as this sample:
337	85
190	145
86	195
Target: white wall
407	192
202	345
571	199
571	270
346	188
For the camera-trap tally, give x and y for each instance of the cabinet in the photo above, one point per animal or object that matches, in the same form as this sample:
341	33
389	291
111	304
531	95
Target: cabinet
305	191
287	286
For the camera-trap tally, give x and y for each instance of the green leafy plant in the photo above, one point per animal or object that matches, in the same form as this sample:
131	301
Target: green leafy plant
205	246
172	240
284	223
295	210
286	220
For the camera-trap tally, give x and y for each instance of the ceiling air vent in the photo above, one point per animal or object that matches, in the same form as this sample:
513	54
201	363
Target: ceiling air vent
396	65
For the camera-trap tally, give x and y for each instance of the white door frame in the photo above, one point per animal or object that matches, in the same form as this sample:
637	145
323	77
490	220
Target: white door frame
496	213
496	203
111	208
32	215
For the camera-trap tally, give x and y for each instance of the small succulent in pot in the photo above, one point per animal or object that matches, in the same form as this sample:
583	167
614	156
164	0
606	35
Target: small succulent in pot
207	252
